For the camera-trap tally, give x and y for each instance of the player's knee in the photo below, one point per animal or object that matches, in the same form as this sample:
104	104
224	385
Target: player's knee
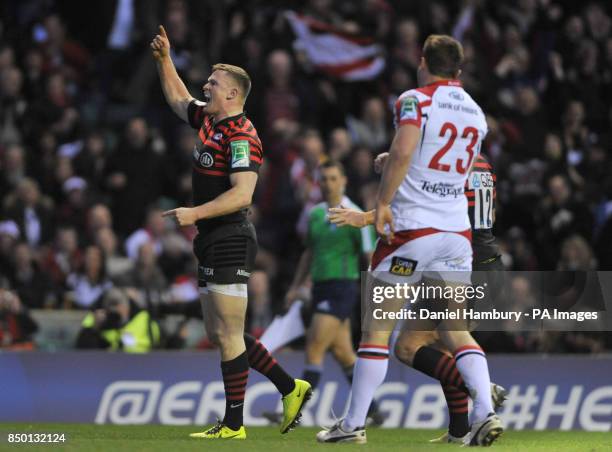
214	337
223	335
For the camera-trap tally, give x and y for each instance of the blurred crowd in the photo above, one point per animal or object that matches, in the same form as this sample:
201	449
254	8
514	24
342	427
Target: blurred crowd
90	154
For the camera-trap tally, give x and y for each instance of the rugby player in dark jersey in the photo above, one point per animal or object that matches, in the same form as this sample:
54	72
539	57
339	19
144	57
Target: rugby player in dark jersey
226	162
480	192
423	350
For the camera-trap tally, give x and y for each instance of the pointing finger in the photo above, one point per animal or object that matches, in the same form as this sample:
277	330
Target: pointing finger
169	213
162	31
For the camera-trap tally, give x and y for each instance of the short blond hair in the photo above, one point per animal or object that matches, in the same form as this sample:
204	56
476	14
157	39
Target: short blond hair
444	55
238	74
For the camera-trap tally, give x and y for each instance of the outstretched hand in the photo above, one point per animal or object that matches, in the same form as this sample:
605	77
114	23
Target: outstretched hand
160	44
341	216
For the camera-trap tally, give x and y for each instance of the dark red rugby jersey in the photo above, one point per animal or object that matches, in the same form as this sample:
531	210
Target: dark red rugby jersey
481	195
230	146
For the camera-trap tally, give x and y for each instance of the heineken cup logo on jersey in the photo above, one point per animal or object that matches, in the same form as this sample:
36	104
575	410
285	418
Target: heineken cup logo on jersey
240	154
409	108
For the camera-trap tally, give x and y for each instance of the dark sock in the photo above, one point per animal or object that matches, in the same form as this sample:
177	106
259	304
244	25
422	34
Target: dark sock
348	373
457	402
443	368
312	374
263	362
439	366
235	375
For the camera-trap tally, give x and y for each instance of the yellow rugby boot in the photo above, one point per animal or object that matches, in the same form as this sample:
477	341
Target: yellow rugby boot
221	431
293	404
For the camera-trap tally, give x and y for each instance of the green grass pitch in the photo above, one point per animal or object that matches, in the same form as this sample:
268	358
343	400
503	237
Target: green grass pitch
87	437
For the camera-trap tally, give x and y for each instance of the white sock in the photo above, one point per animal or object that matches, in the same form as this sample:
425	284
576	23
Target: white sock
472	364
369	373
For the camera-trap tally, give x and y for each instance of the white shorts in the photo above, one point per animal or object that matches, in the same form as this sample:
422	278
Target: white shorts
428	252
235	290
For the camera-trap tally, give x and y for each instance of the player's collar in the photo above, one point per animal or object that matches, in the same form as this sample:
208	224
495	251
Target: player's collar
228	118
445	82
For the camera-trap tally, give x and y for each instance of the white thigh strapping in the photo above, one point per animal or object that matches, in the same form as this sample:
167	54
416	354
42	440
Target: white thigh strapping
235	290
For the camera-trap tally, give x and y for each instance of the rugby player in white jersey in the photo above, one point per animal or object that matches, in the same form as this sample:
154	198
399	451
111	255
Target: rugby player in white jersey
420	347
422	218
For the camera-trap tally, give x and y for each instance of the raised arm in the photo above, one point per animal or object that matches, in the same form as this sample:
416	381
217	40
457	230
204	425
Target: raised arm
175	91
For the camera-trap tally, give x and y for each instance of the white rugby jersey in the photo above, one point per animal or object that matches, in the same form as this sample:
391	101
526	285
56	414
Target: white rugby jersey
452	129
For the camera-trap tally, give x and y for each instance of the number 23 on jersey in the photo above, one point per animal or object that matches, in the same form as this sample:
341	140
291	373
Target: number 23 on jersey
449	130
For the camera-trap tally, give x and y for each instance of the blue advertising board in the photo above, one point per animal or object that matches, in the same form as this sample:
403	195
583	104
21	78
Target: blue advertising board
182	388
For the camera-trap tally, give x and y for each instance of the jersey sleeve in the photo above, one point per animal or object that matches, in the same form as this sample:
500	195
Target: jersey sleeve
407	110
195	114
244	153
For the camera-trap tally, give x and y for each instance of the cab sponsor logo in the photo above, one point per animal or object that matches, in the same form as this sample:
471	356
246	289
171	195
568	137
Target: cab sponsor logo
206	160
402	267
241	272
240	153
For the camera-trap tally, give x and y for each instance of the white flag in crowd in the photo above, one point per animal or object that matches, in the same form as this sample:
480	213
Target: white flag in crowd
336	52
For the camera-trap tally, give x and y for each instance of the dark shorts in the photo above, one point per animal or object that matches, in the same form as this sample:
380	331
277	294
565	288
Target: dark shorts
337	298
226	255
488	273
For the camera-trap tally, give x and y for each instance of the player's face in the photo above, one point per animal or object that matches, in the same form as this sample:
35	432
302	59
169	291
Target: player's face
332	183
217	90
212	92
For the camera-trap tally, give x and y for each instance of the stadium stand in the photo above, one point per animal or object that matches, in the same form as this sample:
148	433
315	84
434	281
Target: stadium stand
88	148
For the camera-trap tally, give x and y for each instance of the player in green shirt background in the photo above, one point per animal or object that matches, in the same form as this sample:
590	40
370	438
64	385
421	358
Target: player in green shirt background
332	259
